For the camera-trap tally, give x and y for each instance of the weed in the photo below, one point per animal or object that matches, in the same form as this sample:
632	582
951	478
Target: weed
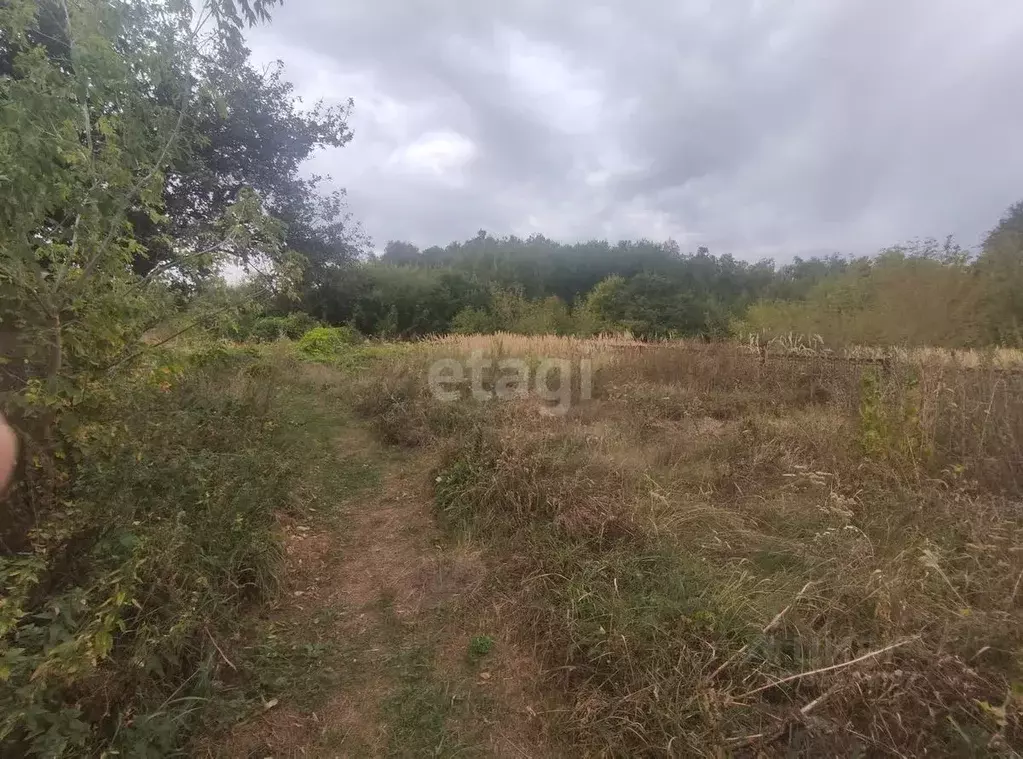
122	602
480	646
293	326
326	343
166	532
397	400
283	665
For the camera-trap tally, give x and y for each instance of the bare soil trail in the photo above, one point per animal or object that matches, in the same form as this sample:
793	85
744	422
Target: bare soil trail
408	654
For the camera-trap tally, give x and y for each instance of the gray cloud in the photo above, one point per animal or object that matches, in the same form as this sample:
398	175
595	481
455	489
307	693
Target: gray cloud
764	127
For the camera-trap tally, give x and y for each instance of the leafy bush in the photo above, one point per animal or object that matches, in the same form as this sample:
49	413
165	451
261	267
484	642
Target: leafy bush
292	326
145	558
480	646
473	321
323	343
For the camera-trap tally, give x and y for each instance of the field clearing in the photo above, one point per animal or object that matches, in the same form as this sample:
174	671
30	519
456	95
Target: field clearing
722	553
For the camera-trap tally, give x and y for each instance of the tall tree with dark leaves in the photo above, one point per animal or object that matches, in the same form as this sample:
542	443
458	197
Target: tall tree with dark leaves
255	137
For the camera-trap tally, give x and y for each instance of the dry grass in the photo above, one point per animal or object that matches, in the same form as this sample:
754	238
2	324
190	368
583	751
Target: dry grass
506	343
724	551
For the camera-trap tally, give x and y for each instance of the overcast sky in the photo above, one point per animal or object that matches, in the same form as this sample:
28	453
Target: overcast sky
756	127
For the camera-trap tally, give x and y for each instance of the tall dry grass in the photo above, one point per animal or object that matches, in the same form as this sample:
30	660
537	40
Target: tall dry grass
727	551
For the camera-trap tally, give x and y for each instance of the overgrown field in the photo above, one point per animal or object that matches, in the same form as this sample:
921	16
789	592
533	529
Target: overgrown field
722	551
725	551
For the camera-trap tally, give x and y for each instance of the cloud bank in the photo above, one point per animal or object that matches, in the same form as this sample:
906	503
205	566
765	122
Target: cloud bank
757	128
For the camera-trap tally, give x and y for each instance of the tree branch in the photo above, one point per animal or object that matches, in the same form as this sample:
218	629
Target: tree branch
190	326
118	216
177	261
84	85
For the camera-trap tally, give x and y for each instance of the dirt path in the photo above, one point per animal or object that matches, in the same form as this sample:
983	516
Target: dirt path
409	658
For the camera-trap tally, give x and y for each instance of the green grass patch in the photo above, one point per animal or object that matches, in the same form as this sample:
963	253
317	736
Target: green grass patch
419	712
301	665
479	647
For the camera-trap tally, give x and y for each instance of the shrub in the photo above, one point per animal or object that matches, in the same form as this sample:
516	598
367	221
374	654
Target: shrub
324	343
144	557
292	326
473	321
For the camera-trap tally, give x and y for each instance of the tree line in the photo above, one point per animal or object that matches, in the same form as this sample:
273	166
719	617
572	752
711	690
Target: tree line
925	292
176	154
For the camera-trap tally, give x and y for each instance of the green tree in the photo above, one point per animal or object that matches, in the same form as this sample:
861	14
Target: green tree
86	148
97	99
607	303
473	321
922	293
398	301
397	253
1000	270
254	137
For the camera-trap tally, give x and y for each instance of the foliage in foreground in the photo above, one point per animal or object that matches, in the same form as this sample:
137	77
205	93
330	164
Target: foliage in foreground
140	150
163	532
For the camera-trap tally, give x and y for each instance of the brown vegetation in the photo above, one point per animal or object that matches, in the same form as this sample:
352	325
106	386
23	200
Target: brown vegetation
728	551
